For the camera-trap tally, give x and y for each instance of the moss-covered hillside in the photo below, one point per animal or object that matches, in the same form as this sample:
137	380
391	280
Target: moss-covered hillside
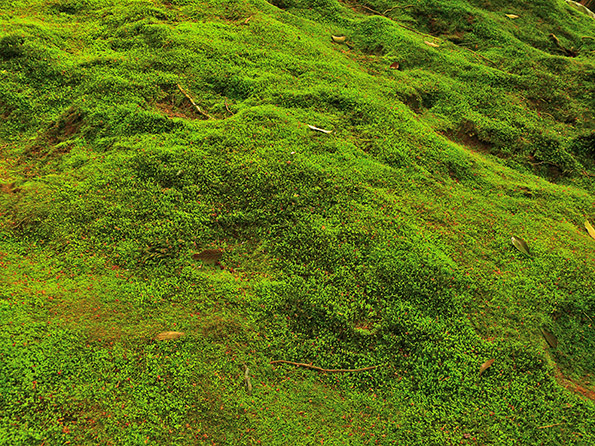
228	170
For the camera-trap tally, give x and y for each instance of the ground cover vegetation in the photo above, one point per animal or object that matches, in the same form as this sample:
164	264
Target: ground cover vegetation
136	135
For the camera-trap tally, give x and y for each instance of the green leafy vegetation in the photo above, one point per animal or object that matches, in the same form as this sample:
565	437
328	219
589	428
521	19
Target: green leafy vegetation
159	173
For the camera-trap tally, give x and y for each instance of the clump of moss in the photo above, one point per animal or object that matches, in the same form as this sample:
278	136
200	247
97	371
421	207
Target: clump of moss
140	134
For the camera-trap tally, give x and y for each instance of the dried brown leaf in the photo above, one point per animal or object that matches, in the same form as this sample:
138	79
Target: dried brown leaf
394	65
521	245
208	255
486	365
550	338
168	335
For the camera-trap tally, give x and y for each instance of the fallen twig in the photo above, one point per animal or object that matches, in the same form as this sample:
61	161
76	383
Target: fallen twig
369	9
397	7
412	29
549	425
193	103
567	52
479	55
227	108
313	367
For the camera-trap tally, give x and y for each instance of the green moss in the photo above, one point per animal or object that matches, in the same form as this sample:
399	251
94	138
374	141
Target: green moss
385	242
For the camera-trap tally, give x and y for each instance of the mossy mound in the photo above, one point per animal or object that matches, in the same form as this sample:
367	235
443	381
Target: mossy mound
136	135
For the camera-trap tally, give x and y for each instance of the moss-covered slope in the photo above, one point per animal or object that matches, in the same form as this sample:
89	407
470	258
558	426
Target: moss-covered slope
136	134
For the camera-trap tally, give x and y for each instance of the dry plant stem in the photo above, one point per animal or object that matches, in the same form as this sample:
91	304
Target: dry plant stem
546	162
193	103
414	30
482	57
313	367
562	48
368	8
227	108
549	425
397	7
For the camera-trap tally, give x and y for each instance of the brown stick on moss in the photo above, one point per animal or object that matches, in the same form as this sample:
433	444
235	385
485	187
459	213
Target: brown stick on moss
227	108
193	103
567	52
313	367
549	425
397	7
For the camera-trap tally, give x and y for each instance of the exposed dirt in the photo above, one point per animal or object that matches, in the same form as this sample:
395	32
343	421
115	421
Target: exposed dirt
573	386
171	111
366	62
9	188
169	108
414	103
6	185
457	37
220	329
101	320
467	136
5	110
63	129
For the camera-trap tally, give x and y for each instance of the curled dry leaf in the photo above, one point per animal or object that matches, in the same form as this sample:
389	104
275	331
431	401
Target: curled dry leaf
486	365
590	228
521	245
316	129
339	39
208	255
512	16
168	335
247	379
394	65
432	44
